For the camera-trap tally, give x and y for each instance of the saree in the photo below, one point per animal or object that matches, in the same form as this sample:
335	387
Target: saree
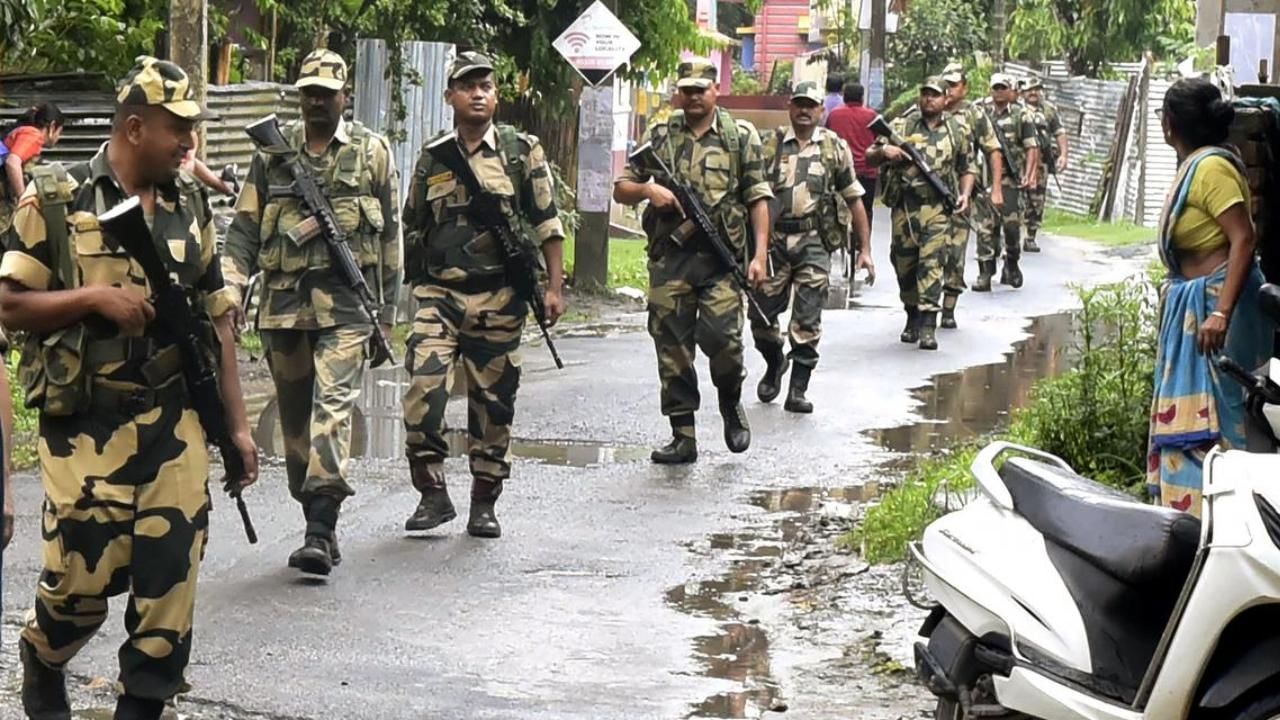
1195	407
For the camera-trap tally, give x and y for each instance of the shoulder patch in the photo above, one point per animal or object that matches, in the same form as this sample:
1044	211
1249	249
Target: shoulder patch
440	178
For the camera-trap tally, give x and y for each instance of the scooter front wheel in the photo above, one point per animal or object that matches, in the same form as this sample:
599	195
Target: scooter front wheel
1265	707
948	710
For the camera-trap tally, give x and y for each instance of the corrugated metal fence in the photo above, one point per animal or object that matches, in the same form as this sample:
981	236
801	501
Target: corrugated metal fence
240	105
426	111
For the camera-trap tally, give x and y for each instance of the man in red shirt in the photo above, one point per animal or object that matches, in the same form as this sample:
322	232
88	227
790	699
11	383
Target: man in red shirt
850	122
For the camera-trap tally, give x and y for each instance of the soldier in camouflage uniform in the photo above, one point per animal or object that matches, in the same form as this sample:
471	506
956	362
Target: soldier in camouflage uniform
469	318
922	230
315	332
123	458
984	151
1053	143
1017	126
692	296
818	198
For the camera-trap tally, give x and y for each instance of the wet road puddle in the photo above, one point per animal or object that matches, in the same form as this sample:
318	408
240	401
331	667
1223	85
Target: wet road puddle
968	404
953	407
739	650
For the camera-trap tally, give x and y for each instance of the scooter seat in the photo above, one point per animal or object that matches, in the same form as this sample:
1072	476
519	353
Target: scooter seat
1135	543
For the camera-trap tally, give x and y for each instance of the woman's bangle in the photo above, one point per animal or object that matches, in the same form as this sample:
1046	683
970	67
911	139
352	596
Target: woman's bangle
1219	313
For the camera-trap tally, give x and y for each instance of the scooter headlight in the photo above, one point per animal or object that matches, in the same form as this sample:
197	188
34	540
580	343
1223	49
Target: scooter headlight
1270	518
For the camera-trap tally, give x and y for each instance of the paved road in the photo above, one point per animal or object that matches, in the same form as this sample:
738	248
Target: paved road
566	616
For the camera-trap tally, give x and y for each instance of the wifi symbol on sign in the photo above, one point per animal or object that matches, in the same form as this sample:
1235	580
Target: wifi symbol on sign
577	40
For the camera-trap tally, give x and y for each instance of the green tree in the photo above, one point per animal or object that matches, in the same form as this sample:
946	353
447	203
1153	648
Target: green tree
84	35
1089	34
931	34
15	17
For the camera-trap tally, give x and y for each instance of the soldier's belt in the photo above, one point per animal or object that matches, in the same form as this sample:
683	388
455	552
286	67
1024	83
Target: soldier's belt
131	402
473	285
791	226
159	364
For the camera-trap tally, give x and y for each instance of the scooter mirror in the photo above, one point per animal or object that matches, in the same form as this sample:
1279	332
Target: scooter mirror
1269	298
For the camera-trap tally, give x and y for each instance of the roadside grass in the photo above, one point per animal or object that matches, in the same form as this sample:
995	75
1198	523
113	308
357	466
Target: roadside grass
1122	234
26	421
628	262
1094	416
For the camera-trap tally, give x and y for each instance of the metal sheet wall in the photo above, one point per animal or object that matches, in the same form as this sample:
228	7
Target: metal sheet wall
427	113
1088	111
240	105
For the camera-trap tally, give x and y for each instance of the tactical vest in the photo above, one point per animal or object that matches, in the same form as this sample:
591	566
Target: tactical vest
290	246
56	369
895	182
730	213
832	220
512	150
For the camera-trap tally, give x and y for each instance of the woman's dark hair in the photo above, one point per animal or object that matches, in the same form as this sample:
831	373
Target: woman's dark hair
41	115
1197	113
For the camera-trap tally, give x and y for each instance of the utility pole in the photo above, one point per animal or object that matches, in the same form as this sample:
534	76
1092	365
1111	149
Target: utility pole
874	75
189	47
595	168
999	27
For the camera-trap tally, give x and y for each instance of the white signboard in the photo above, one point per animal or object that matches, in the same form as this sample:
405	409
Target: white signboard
597	43
1253	38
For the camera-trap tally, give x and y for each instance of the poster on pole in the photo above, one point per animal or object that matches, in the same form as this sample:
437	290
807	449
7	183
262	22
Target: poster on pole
597	44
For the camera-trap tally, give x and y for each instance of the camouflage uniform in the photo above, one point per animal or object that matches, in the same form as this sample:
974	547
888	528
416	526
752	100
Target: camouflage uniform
980	143
692	296
1019	131
123	459
468	316
1048	130
314	329
807	180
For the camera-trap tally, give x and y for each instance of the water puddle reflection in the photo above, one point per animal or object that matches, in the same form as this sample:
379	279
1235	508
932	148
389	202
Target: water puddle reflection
970	403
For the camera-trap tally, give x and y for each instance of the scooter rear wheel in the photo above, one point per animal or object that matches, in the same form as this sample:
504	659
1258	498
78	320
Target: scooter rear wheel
1266	707
947	710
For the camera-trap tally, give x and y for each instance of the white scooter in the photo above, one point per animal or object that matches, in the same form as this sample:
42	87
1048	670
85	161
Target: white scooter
1062	599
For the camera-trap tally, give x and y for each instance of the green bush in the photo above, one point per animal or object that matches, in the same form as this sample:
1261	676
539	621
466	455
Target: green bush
746	82
1095	417
26	421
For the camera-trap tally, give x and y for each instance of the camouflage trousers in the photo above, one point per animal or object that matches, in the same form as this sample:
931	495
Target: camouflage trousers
1008	225
693	301
1036	198
953	283
801	264
126	510
317	374
479	334
922	241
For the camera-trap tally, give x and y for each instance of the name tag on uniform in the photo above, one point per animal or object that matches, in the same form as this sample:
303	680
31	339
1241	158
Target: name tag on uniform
441	178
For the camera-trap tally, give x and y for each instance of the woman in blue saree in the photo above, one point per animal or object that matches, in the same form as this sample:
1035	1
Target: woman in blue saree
1209	302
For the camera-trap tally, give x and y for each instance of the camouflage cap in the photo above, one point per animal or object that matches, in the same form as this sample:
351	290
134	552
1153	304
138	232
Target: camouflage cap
934	83
697	73
469	62
323	68
999	79
953	73
808	90
1032	83
159	82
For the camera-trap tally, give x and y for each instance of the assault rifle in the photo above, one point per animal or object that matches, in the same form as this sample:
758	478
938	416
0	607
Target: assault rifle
487	212
306	188
177	324
949	203
1049	147
697	213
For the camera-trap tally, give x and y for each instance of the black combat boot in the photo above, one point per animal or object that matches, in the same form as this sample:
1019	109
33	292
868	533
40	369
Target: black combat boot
315	557
130	707
911	331
44	689
796	401
1011	274
483	522
986	269
683	448
949	311
1029	245
435	508
775	367
928	334
737	432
